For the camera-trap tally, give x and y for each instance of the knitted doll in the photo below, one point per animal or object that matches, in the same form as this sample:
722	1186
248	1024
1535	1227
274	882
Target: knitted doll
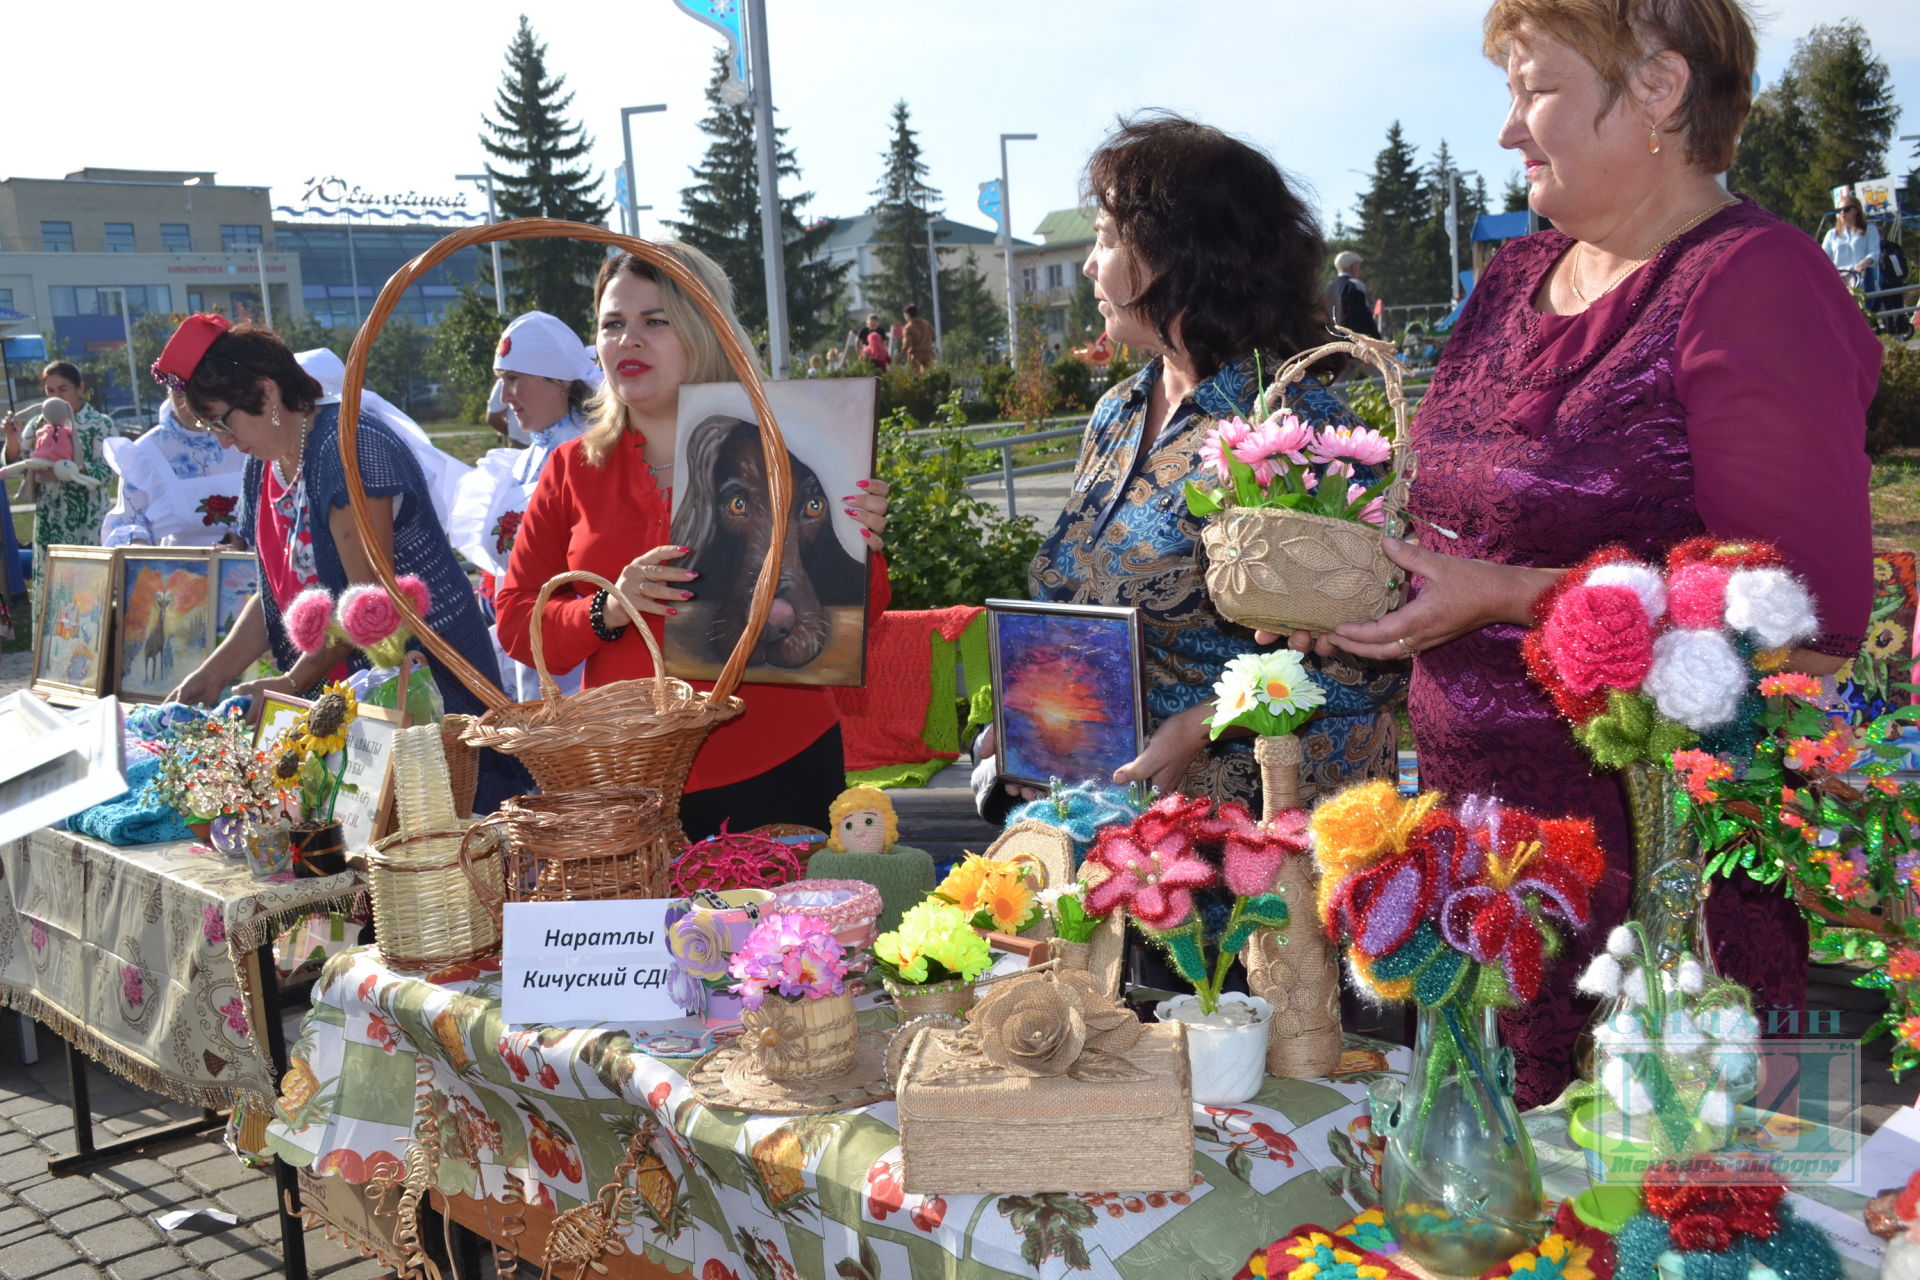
861	846
52	456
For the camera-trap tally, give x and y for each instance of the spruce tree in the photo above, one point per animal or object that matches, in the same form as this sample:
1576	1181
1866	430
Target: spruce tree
971	317
1513	196
1826	122
723	221
539	176
902	204
1396	228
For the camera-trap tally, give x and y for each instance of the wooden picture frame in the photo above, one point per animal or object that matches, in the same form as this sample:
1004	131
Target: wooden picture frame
236	578
1068	697
73	629
278	711
163	607
366	814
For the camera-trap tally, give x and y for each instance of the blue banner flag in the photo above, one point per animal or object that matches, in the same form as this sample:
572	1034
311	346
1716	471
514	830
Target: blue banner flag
723	16
990	200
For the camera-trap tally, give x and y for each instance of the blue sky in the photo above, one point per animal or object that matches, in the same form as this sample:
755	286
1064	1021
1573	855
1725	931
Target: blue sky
390	95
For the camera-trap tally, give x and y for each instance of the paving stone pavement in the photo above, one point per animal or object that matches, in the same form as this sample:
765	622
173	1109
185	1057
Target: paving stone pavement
99	1225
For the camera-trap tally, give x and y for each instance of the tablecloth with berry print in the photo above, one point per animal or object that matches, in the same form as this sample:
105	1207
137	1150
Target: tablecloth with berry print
143	956
545	1115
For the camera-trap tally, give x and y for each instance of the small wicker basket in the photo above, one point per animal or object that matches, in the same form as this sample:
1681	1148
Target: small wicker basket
575	846
426	915
633	733
1282	570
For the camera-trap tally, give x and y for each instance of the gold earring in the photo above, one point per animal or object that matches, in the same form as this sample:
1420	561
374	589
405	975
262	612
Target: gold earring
1653	141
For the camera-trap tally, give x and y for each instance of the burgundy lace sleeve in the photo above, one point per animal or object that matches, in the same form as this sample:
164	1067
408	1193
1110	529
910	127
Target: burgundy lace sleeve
1776	368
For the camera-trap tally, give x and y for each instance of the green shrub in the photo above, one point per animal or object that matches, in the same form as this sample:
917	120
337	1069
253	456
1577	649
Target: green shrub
996	384
1368	399
920	394
1069	386
1893	419
946	546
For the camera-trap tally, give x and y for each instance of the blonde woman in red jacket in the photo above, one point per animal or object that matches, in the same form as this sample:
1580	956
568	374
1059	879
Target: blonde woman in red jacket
602	504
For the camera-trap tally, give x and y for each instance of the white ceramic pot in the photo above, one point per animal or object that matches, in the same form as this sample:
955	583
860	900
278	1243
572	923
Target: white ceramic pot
1228	1063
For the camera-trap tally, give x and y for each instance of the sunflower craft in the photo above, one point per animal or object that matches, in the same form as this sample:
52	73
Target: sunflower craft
302	753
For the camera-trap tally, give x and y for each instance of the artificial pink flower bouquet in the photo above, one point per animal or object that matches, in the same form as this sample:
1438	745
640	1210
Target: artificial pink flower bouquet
1289	463
366	617
791	955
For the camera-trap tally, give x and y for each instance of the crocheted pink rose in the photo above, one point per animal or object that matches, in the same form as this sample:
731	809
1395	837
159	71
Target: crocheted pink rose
368	615
1600	637
1697	596
307	618
417	594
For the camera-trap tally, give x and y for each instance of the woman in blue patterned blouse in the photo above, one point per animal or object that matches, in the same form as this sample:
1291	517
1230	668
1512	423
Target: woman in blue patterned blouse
1203	256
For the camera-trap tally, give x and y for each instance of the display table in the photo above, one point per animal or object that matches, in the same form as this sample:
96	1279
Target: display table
507	1128
148	960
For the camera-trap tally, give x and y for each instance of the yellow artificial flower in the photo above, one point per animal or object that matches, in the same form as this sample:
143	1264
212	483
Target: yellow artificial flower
964	883
325	727
1007	900
1887	640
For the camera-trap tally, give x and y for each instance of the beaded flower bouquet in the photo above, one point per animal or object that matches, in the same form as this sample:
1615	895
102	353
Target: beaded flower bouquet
1292	543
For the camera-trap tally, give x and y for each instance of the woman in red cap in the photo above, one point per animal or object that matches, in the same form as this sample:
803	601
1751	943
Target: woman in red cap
244	385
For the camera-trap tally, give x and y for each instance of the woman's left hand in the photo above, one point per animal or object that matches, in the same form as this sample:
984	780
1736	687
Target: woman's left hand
868	508
1456	595
1170	750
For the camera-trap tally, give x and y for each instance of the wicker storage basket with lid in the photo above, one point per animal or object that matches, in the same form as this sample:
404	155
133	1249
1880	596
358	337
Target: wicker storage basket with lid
1283	570
633	733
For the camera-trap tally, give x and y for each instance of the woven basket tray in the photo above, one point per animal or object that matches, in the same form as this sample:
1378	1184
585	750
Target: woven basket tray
1283	570
574	846
636	732
426	915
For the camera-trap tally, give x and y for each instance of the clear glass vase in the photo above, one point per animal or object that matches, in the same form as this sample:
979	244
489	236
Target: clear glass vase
1459	1184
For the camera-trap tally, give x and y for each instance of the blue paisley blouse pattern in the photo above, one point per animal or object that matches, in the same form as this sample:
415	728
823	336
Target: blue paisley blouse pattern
1126	539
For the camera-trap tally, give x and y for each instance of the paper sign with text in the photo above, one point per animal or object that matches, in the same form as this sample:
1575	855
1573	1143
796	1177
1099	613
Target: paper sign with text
575	964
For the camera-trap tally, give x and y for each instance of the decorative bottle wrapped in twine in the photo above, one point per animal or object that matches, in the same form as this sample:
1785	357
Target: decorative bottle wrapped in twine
1294	969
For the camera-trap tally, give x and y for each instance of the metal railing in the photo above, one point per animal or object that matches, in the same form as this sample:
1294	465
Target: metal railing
1007	444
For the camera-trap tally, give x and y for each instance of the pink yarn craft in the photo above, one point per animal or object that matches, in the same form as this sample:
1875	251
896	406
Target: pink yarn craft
850	908
367	615
1600	637
308	618
1697	596
734	860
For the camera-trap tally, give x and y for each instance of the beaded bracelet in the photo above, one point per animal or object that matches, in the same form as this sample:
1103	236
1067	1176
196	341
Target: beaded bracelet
597	615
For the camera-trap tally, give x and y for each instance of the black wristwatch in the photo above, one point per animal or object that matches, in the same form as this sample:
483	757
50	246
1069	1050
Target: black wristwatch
597	614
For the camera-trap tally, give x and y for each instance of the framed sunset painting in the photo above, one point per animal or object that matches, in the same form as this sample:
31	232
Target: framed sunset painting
1066	689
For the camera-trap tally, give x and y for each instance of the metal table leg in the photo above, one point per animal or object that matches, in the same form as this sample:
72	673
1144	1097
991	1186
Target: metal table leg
293	1238
88	1155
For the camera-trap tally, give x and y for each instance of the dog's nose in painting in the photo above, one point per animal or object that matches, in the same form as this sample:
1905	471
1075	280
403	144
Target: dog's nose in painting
779	620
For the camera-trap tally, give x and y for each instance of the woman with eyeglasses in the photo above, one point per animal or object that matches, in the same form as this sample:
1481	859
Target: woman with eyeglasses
243	384
1853	246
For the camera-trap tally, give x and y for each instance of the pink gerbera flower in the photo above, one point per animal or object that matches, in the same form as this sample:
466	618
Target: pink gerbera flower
1219	443
1374	513
1362	445
1276	441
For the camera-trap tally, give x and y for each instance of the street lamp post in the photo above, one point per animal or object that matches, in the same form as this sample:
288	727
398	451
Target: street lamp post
1453	225
772	241
126	329
626	136
933	276
260	265
499	281
1006	241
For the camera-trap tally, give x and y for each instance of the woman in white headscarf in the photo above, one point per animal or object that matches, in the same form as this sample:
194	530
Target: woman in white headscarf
546	378
178	487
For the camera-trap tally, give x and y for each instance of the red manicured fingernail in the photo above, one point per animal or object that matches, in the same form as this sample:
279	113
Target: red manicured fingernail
862	483
685	550
850	511
686	595
866	533
672	611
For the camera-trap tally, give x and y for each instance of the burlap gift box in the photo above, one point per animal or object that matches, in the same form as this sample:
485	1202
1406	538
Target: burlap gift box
967	1127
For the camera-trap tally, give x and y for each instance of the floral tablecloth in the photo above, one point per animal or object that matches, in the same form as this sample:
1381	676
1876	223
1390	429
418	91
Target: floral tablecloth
142	957
545	1115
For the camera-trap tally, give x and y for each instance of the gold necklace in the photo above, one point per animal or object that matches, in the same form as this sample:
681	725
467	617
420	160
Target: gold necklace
1573	265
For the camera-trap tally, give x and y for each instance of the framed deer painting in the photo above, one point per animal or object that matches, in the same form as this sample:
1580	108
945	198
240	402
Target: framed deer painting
165	599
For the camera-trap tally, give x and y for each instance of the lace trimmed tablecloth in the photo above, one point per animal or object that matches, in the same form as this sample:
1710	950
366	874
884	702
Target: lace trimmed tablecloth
142	957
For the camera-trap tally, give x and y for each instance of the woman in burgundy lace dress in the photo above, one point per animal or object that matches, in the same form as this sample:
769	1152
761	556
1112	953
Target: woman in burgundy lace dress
1669	360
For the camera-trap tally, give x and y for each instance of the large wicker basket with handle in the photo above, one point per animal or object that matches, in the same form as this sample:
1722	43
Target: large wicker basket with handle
634	733
1284	570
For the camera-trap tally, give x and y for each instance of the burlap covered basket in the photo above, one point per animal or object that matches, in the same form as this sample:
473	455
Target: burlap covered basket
634	733
1281	570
